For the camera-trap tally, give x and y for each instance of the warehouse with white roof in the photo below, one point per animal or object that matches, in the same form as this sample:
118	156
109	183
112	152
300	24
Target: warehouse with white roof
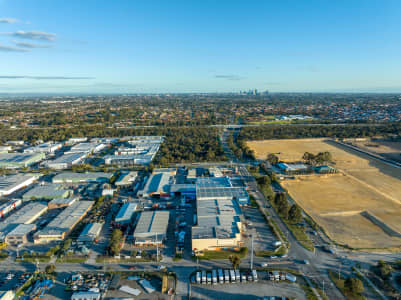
66	161
12	183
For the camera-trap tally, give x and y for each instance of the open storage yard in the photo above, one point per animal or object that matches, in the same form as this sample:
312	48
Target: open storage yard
359	207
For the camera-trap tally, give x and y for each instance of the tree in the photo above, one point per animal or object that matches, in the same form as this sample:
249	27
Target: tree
115	242
235	260
308	157
272	158
279	198
283	209
265	180
50	269
354	285
295	214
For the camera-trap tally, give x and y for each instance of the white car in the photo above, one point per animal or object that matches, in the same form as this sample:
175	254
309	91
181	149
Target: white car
264	264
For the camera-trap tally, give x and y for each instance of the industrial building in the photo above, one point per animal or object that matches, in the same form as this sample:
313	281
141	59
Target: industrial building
19	235
126	178
223	193
90	233
76	140
139	150
86	296
88	148
27	214
46	148
158	184
9	206
291	168
11	183
151	227
62	202
5	149
124	215
61	225
87	177
186	190
47	192
19	160
219	225
208	182
66	161
7	295
128	159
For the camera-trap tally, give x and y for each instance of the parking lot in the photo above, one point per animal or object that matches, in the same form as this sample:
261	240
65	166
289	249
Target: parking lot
263	236
251	290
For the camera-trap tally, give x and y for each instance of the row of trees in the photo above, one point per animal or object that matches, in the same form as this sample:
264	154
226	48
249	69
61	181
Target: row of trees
293	214
306	131
115	243
318	159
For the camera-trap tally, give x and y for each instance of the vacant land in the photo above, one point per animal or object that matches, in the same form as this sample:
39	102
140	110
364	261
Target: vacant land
338	202
385	148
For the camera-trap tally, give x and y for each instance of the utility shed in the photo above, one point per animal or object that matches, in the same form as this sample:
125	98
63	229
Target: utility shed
151	227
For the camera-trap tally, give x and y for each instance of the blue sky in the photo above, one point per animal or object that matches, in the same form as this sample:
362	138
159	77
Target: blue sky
96	46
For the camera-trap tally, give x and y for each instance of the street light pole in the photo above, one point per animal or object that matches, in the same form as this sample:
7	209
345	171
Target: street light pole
157	250
252	252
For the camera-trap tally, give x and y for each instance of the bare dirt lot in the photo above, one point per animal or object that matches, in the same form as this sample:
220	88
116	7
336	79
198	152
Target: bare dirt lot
338	202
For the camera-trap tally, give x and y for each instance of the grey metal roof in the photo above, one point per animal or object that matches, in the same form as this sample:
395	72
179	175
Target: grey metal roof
126	212
47	191
151	223
217	219
27	214
82	177
66	219
8	182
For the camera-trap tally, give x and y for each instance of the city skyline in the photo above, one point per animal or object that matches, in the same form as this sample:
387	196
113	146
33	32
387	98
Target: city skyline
181	47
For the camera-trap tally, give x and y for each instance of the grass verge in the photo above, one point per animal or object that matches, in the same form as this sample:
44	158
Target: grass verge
223	254
339	282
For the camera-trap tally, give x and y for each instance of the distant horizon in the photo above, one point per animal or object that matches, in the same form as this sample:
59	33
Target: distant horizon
76	94
119	47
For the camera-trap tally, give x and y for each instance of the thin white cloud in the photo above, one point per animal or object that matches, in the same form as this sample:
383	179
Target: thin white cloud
30	45
229	77
5	48
43	77
32	35
9	20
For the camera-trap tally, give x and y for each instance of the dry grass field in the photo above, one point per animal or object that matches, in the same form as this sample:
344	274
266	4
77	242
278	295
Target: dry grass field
336	201
387	149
